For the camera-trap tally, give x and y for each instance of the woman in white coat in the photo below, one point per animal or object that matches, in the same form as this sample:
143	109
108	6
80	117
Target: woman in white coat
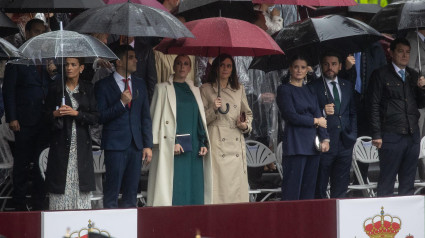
180	173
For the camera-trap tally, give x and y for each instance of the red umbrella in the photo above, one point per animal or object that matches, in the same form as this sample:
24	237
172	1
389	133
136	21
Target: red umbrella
150	3
217	35
317	3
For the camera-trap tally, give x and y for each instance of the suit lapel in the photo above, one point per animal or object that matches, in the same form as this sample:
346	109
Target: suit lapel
114	86
329	98
344	93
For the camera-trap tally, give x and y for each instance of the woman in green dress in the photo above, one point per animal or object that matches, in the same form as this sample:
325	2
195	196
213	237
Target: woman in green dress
180	172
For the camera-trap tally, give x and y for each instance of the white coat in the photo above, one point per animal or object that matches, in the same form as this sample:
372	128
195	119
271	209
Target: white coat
164	125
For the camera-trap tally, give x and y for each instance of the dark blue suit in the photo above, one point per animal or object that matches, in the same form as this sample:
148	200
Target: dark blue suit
126	131
298	107
342	128
24	90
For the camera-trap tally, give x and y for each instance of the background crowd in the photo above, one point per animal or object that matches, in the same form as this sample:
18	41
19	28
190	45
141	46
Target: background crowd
165	113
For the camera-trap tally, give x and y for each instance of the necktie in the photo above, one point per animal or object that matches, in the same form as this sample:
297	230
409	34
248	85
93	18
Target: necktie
402	74
336	97
358	58
127	86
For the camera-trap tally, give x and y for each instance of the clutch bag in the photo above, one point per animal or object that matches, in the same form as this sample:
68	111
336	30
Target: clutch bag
317	143
185	140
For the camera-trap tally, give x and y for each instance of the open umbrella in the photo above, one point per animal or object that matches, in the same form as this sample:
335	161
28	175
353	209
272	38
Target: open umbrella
401	15
313	36
57	45
199	9
150	3
129	19
218	35
8	51
317	3
48	5
7	26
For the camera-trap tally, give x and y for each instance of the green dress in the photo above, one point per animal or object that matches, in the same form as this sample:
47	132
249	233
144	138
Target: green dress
188	181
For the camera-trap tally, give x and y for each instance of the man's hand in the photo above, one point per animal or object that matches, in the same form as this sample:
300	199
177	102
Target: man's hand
178	149
14	125
147	155
421	82
241	125
126	97
330	109
349	62
325	146
203	151
104	64
377	143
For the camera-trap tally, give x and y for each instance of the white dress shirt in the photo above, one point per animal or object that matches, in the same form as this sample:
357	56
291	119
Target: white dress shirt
121	84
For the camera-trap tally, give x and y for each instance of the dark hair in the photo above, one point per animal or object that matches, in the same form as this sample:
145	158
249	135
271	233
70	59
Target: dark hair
331	54
213	74
121	51
161	1
81	60
32	22
178	56
297	57
397	41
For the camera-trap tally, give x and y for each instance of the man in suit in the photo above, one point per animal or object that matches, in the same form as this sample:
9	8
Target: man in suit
395	93
123	104
24	90
413	37
336	100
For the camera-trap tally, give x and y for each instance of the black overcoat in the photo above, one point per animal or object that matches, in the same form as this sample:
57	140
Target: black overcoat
60	137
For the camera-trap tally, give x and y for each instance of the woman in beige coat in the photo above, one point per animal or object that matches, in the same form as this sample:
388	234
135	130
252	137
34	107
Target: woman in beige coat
230	181
176	176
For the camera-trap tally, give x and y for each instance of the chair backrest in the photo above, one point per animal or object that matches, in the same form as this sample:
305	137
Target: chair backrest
258	154
279	153
364	151
42	162
422	151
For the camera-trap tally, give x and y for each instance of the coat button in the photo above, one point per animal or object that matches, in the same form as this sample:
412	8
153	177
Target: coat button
339	127
237	139
234	106
165	137
166	122
237	155
222	155
223	139
339	116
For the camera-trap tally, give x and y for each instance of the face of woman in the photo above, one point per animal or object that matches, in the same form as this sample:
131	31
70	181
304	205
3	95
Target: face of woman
225	69
182	66
298	69
73	68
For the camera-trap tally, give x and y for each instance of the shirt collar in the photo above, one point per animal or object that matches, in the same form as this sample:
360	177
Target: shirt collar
118	77
329	81
396	68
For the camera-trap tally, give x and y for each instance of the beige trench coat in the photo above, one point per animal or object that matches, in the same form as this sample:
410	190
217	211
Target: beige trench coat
161	172
230	180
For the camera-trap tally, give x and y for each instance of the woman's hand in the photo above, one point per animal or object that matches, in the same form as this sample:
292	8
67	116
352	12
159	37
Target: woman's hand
203	151
217	103
320	122
325	146
178	149
57	114
241	125
65	110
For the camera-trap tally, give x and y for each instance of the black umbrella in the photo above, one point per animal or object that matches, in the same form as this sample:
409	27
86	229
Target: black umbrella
48	5
364	8
8	51
400	16
129	19
7	26
199	9
313	36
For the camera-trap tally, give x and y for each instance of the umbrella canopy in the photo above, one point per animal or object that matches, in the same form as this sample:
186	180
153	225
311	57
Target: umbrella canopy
316	35
49	5
8	51
399	16
317	3
7	26
62	44
219	35
240	9
150	3
364	8
129	19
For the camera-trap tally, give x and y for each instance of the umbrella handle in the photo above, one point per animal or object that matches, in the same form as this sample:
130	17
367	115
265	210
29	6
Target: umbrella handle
226	111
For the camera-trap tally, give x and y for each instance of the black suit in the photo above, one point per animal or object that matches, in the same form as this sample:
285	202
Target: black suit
394	118
342	128
24	90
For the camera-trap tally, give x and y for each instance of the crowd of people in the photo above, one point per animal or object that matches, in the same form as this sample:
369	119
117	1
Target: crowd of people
164	111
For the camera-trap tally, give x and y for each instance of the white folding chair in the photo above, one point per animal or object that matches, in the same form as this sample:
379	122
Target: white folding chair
364	152
99	169
278	155
420	184
259	155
